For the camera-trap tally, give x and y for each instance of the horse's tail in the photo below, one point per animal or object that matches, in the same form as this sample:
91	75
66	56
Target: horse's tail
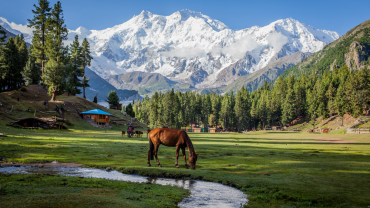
151	149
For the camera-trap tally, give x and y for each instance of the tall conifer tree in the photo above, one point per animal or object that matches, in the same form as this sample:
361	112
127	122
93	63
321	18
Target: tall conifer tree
39	23
2	35
55	76
86	60
75	68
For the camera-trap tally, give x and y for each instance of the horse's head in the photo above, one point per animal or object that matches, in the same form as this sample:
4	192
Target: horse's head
193	160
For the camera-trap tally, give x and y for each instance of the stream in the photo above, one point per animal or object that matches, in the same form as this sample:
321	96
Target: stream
202	193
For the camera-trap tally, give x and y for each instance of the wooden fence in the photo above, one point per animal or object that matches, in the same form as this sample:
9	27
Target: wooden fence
358	131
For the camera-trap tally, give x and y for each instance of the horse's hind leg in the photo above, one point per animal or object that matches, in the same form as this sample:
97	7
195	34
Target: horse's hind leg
155	154
183	152
149	158
177	156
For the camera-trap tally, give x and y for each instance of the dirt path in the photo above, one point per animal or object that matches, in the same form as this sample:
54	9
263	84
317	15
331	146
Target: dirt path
332	140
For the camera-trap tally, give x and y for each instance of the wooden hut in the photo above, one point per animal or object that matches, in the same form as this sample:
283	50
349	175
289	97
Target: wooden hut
98	116
197	130
276	128
212	130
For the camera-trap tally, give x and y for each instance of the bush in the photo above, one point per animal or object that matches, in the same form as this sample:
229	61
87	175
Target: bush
23	89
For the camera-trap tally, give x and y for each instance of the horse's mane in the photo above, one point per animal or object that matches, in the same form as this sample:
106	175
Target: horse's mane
189	143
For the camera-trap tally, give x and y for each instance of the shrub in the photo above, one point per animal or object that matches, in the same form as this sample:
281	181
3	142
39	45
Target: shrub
23	89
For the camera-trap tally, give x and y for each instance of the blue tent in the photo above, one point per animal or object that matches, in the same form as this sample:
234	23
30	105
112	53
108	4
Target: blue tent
96	111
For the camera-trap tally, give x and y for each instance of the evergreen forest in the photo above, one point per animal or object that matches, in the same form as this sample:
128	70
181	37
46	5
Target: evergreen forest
47	61
339	92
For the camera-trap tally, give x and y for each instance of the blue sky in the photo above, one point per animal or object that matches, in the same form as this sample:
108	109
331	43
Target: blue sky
338	15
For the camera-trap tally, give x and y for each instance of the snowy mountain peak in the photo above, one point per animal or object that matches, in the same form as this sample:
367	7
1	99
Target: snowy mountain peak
191	47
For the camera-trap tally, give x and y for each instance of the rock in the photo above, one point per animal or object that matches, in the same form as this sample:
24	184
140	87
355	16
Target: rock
54	162
40	166
108	169
356	56
17	165
2	135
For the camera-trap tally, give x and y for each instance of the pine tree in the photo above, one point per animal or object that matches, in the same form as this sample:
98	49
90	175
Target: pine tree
289	107
312	102
330	94
75	71
86	60
129	110
341	102
113	98
39	23
9	62
55	76
153	115
239	109
224	114
31	72
2	36
96	101
253	113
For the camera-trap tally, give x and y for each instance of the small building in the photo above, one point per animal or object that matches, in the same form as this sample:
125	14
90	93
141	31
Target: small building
276	128
98	116
197	130
212	130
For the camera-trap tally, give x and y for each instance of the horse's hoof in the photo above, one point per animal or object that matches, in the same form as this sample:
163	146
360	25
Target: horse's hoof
149	165
187	167
160	166
177	166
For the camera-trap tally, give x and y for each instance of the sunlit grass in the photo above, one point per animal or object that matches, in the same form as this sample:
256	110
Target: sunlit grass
274	168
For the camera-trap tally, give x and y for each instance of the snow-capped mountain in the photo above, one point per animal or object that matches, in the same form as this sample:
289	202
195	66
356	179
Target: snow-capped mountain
191	47
17	29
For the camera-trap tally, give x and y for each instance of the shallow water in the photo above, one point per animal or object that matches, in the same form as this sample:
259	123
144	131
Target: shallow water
202	194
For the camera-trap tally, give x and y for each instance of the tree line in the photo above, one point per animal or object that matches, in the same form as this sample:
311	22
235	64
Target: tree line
47	61
338	92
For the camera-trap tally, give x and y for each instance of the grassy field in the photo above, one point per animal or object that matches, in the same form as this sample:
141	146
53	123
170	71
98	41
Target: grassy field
58	191
275	169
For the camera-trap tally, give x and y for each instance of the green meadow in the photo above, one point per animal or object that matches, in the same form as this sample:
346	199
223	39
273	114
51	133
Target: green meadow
275	169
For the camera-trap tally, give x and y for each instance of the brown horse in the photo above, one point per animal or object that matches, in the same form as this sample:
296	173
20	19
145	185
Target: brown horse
171	138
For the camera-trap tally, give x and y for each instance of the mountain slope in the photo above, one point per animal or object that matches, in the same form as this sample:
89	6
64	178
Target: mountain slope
144	82
268	73
352	49
191	47
17	29
102	88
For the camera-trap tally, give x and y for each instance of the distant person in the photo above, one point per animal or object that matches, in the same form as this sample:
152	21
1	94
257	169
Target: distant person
130	130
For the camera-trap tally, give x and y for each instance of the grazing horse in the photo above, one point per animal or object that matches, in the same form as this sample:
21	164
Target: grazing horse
171	138
123	133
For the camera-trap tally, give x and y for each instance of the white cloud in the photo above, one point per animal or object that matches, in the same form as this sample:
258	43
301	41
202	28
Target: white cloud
277	41
185	52
238	49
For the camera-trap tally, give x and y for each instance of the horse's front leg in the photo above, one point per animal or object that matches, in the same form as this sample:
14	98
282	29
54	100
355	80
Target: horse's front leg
183	152
177	156
156	157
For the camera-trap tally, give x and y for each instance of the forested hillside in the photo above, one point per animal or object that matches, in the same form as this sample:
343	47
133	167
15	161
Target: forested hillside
352	49
335	80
